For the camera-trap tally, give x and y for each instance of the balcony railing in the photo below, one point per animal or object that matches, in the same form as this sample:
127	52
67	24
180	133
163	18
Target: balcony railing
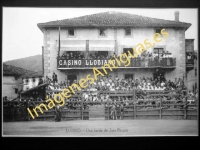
136	63
189	61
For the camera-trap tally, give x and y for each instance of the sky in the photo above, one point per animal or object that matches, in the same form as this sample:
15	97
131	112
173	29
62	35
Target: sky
22	38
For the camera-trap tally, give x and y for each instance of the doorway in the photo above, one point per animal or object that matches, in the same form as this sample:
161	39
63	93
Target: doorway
159	75
128	76
71	78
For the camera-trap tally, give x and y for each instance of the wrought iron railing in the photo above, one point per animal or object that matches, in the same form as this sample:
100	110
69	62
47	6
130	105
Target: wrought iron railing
136	62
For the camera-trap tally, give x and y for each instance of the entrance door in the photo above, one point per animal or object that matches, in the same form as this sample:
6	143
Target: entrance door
71	78
159	75
128	76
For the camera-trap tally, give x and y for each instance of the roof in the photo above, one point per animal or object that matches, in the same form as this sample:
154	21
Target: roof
39	86
14	71
113	19
34	75
9	70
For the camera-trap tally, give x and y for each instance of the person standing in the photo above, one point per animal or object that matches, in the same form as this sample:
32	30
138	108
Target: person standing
58	113
121	111
54	77
113	112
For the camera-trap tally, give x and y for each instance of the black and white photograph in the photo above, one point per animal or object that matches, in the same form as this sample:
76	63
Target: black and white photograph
99	72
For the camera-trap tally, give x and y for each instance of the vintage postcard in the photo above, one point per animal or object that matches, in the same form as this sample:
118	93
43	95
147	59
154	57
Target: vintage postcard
99	72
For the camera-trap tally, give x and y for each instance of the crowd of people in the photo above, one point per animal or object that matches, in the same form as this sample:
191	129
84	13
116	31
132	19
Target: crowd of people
96	92
146	59
116	84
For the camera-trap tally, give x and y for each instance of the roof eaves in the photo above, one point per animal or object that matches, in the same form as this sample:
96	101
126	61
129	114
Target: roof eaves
103	25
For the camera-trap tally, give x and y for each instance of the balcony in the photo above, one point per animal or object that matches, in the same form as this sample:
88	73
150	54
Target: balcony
190	56
135	63
189	64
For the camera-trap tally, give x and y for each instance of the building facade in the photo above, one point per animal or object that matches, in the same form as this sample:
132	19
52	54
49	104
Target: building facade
17	80
70	44
11	86
12	81
32	80
191	65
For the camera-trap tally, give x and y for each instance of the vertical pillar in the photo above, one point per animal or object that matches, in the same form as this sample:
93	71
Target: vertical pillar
115	39
43	60
185	110
160	115
134	108
108	109
87	49
81	109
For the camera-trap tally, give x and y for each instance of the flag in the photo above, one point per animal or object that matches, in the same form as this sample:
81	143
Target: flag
59	43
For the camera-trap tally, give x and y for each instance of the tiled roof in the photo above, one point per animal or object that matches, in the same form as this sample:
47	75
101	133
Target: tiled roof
34	75
9	70
114	19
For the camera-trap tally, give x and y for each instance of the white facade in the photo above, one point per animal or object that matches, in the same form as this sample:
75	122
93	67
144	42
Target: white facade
30	83
11	87
174	44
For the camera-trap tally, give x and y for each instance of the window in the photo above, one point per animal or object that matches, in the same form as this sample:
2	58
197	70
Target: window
128	76
127	32
71	79
159	75
16	91
71	32
158	30
33	79
158	52
125	50
102	54
26	80
102	32
195	71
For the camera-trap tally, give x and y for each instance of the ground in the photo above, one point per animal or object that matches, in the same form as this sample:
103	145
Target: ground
102	128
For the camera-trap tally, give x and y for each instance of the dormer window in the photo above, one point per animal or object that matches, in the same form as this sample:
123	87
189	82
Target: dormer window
102	32
71	32
158	30
127	32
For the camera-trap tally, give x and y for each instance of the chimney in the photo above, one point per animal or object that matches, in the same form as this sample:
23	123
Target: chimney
176	14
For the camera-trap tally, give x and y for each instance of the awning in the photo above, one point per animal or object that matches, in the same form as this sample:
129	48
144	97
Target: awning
101	48
80	45
101	45
73	49
72	45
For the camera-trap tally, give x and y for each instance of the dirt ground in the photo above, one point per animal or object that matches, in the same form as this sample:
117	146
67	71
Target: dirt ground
85	128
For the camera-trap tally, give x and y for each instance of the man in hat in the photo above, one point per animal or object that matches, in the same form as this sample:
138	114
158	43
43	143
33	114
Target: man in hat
54	77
